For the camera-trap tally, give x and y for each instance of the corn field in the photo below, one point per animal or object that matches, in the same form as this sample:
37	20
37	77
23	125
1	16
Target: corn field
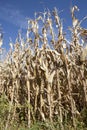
44	77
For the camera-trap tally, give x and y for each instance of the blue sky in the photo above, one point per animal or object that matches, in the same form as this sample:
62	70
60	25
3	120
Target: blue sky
14	14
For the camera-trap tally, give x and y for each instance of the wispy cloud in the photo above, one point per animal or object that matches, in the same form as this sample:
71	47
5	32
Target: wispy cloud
13	16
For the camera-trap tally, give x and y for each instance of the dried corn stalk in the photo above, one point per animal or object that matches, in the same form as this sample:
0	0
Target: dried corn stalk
44	76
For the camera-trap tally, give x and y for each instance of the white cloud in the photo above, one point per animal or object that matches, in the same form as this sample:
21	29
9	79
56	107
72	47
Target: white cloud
13	16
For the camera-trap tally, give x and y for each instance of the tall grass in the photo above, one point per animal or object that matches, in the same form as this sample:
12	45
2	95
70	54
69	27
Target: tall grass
46	84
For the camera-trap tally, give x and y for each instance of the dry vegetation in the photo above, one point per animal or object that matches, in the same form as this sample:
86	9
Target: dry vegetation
44	78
